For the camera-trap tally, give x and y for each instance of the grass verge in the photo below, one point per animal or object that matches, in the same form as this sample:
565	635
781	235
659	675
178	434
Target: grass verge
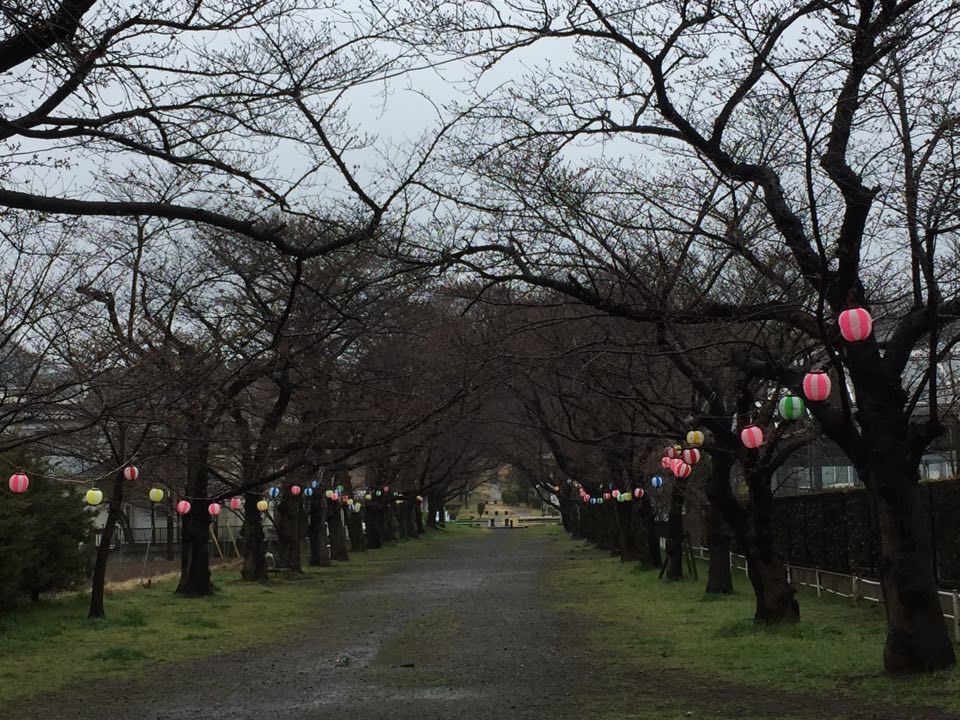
51	645
654	629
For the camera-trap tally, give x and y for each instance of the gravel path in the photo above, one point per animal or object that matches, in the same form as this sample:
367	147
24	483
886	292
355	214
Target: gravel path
461	632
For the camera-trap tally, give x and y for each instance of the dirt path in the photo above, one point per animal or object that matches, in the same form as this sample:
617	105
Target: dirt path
459	633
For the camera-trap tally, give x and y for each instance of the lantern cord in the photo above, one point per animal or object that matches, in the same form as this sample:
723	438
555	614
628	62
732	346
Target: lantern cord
68	479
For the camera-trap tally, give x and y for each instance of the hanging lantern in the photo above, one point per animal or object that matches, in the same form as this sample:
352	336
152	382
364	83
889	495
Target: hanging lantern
378	493
294	489
357	507
751	436
600	500
308	491
791	407
691	456
615	493
855	324
262	505
183	507
606	496
130	473
674	464
420	499
328	494
214	509
235	503
665	463
155	495
368	497
816	385
656	481
638	492
626	497
274	492
314	484
671	451
682	470
94	496
19	483
695	438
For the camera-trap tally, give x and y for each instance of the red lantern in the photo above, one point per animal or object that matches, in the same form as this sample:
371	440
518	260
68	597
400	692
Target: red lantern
816	385
682	470
131	473
615	493
855	324
386	489
234	503
638	492
606	496
671	452
294	489
751	436
214	509
665	463
691	456
183	507
19	483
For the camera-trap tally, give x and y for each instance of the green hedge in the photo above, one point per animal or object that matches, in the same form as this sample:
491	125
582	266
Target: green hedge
834	530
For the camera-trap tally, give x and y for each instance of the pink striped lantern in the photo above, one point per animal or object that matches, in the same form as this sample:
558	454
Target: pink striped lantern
671	452
19	482
234	503
682	470
691	456
183	507
674	464
665	463
294	489
606	496
855	324
751	436
214	509
130	473
816	386
615	493
638	492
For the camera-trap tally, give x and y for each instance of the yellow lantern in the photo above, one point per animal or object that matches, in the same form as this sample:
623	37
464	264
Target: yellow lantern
156	495
695	438
262	505
368	497
94	496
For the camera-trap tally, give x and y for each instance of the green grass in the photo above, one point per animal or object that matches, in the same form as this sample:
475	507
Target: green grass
51	645
654	626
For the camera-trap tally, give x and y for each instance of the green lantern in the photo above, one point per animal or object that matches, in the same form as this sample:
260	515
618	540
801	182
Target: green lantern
791	407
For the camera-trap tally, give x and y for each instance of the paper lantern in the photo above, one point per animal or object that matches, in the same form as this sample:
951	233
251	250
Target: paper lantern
274	492
626	497
671	451
235	503
691	456
615	493
676	462
378	493
665	463
262	505
695	438
357	507
593	501
368	497
214	509
751	436
386	489
308	491
600	501
420	499
682	470
606	496
791	407
183	507
314	484
816	385
328	494
130	473
638	492
656	481
155	495
294	489
19	483
334	497
94	496
855	324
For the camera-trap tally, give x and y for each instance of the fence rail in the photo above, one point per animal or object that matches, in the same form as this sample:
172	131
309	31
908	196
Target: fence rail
846	586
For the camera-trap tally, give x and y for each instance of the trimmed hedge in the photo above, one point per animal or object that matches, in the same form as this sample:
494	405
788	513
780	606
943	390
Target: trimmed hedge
834	530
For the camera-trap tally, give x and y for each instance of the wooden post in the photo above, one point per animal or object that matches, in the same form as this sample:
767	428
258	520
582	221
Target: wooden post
216	542
855	583
789	578
819	589
956	615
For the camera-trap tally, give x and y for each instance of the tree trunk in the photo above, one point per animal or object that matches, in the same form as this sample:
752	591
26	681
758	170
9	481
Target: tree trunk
195	530
317	530
289	532
358	543
651	537
917	638
719	577
675	530
408	518
338	532
775	597
103	551
630	550
374	517
253	540
418	517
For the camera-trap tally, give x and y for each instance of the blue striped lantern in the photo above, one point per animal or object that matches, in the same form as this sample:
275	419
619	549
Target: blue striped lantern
656	481
308	491
274	492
